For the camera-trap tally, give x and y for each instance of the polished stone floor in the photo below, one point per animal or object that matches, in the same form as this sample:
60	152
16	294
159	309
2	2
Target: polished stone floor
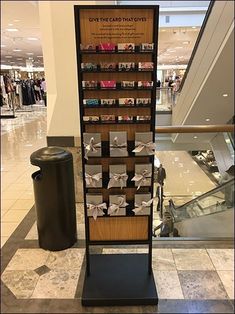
194	279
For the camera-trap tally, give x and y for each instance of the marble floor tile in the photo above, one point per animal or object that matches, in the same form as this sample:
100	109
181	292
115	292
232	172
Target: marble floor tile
163	260
23	204
223	259
7	228
227	278
81	231
21	283
119	251
28	259
57	284
192	259
14	215
69	259
3	240
33	233
201	285
168	284
6	203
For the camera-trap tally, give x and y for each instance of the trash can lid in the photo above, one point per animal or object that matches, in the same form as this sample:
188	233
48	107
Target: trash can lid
49	154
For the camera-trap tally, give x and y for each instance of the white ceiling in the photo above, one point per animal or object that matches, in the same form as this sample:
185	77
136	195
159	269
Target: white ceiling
24	17
175	44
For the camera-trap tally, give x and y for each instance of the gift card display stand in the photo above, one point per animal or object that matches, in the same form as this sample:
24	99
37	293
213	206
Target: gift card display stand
115	176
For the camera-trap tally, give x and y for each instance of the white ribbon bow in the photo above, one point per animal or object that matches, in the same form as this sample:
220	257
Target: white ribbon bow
97	210
115	144
150	147
93	179
114	208
118	177
141	178
91	147
142	206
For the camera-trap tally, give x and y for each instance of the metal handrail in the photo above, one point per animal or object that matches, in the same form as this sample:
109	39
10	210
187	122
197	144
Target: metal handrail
195	128
196	44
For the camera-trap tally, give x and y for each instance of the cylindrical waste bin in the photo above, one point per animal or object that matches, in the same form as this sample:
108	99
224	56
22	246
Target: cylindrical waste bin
54	198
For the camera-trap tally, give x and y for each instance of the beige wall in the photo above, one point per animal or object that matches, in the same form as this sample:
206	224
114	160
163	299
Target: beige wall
59	52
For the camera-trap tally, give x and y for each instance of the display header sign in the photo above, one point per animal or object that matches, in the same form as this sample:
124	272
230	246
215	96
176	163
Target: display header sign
116	26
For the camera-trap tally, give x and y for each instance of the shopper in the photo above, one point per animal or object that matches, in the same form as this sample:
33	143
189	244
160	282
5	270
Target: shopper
37	90
160	196
228	190
44	91
161	175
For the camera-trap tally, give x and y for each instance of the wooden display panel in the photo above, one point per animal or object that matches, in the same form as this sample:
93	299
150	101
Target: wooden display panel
118	229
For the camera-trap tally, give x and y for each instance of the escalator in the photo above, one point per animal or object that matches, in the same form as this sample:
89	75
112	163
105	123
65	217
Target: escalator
210	215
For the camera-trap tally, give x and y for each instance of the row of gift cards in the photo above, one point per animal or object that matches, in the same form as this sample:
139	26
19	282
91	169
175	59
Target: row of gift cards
113	118
120	66
121	101
113	84
117	205
144	145
112	47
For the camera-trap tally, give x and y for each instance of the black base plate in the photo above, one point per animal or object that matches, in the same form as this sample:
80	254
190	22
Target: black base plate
119	279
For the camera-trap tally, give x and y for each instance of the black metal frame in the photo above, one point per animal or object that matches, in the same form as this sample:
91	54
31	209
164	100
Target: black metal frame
82	108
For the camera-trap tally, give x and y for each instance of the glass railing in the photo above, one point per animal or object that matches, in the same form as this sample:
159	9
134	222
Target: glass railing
164	100
217	200
209	216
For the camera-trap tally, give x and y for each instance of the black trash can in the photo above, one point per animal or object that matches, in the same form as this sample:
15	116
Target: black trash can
54	198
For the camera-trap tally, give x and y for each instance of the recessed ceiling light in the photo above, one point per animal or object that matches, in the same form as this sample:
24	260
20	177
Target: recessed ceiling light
16	20
32	38
225	95
10	24
195	137
171	50
185	42
40	56
8	57
17	50
208	119
163	30
29	53
178	47
12	30
2	46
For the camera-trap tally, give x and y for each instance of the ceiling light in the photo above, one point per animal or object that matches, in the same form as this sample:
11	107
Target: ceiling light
163	30
39	56
2	46
178	47
8	57
193	26
29	53
17	50
185	42
16	20
12	30
10	24
207	120
225	95
32	38
195	137
171	50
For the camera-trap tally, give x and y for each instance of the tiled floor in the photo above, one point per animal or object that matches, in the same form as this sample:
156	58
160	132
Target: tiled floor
20	137
38	281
